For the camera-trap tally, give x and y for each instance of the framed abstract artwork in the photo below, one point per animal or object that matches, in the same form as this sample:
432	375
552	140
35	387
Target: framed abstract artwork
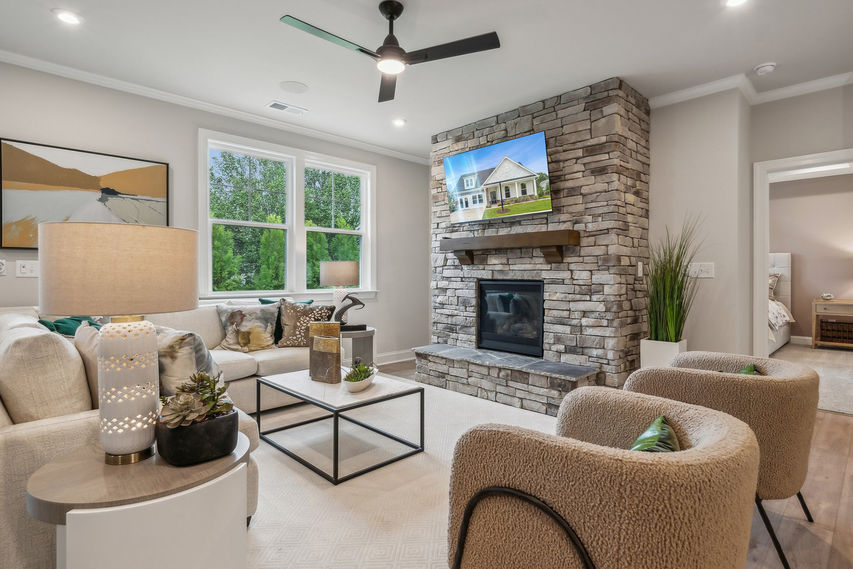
40	183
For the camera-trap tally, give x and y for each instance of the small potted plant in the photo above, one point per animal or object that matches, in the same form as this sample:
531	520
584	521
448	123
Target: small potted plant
360	376
197	424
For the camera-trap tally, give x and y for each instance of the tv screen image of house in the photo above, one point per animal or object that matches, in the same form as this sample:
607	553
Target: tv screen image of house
502	180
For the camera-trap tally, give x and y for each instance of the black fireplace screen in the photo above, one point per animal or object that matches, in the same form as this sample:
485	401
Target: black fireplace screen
511	316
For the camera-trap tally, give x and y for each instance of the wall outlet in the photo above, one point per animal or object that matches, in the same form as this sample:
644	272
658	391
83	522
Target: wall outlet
701	270
27	269
2	267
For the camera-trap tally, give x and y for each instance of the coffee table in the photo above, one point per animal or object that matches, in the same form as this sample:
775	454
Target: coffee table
337	400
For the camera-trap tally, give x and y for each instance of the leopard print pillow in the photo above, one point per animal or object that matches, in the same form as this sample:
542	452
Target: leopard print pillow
295	318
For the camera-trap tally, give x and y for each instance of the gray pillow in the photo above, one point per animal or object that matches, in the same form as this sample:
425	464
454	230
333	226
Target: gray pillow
181	354
295	318
247	328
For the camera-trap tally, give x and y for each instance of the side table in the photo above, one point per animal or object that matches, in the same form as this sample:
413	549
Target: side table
133	515
362	343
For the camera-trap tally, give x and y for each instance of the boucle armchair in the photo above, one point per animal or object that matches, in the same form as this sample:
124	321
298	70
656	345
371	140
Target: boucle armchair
780	407
521	498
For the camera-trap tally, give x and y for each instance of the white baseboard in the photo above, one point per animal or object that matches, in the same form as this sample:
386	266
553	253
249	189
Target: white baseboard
394	357
801	340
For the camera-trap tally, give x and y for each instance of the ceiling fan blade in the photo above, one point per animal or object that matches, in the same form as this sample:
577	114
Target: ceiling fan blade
323	34
459	47
387	87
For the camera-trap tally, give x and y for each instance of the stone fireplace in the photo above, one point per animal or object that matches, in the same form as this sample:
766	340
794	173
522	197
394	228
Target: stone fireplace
593	308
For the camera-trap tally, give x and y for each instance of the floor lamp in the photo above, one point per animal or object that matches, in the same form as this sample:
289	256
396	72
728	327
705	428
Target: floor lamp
124	271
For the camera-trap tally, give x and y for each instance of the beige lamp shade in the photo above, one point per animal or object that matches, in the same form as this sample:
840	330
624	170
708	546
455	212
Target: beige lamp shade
116	268
338	273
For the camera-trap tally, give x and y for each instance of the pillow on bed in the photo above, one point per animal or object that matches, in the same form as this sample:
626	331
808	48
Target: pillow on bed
773	280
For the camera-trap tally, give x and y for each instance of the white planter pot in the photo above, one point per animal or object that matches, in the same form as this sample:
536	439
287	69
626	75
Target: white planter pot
659	354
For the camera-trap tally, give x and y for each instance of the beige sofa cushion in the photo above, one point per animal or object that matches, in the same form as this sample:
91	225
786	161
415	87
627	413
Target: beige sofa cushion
234	365
43	375
281	360
5	419
203	320
10	320
87	340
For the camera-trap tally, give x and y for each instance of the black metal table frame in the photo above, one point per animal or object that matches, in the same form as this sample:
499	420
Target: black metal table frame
336	415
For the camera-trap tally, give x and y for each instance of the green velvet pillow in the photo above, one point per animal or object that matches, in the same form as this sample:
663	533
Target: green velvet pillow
68	326
750	370
659	437
279	331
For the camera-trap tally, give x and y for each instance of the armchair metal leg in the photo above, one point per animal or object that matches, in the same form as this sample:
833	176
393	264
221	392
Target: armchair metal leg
805	508
772	533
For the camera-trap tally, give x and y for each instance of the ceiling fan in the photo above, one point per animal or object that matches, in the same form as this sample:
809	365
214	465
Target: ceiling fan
391	59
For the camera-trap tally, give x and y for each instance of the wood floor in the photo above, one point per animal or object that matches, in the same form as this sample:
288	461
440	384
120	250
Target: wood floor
825	544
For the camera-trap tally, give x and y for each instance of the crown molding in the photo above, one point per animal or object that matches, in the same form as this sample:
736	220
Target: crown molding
141	90
745	86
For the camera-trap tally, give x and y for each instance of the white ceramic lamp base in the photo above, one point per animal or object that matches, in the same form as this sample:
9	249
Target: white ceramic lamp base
128	390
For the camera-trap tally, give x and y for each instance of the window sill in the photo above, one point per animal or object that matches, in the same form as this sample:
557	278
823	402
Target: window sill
318	295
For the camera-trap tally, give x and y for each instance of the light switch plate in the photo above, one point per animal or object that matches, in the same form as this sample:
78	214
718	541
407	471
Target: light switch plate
27	269
701	270
2	267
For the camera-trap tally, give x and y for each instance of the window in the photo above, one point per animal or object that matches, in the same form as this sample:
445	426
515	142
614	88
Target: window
494	197
269	215
468	182
523	189
506	191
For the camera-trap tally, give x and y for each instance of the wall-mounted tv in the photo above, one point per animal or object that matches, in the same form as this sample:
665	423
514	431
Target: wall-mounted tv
502	180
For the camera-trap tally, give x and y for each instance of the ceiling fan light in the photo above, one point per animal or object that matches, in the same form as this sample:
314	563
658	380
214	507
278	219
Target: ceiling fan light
390	66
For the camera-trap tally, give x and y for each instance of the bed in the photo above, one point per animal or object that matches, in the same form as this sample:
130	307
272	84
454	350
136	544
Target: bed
779	302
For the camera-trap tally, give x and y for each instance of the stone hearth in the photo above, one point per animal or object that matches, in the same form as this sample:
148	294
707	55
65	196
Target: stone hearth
521	381
598	154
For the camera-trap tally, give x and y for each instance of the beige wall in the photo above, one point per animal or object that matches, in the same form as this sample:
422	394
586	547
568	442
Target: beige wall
817	122
700	167
811	219
44	108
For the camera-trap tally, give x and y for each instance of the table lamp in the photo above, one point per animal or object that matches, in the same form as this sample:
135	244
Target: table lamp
340	274
124	271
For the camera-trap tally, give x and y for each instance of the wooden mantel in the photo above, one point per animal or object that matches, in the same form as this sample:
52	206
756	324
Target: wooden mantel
550	243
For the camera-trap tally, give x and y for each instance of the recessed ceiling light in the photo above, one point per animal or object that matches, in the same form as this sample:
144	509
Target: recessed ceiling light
764	68
399	123
293	86
733	3
67	17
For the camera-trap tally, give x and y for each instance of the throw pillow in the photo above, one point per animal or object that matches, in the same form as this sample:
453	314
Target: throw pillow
42	375
295	318
68	326
87	340
772	281
181	354
247	328
278	331
750	370
659	437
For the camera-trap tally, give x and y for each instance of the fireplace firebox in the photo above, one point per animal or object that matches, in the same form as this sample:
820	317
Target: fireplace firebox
510	316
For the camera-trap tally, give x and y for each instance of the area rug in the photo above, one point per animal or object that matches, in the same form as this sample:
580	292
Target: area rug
392	517
835	368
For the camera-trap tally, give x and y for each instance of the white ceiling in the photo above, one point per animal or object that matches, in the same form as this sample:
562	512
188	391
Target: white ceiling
235	53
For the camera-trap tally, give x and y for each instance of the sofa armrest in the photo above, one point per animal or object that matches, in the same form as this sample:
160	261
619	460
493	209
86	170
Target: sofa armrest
24	448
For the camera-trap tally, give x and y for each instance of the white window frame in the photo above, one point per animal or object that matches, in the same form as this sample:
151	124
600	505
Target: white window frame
468	182
295	268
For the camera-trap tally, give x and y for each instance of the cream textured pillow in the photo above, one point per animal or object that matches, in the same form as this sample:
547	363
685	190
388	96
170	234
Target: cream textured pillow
87	340
182	354
295	318
247	328
42	375
772	281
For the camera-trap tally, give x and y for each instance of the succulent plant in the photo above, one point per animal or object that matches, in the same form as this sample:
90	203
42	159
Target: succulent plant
183	410
360	371
199	399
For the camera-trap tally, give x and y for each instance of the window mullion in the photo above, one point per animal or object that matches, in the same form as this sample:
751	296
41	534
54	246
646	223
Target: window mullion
296	244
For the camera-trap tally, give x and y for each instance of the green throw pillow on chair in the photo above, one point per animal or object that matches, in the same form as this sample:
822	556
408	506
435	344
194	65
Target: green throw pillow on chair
659	437
750	370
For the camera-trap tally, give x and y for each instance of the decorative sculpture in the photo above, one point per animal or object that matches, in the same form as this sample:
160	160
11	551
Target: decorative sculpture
341	313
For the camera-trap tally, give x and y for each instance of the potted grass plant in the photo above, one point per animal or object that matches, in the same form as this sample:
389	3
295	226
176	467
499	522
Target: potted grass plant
360	376
197	424
670	292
